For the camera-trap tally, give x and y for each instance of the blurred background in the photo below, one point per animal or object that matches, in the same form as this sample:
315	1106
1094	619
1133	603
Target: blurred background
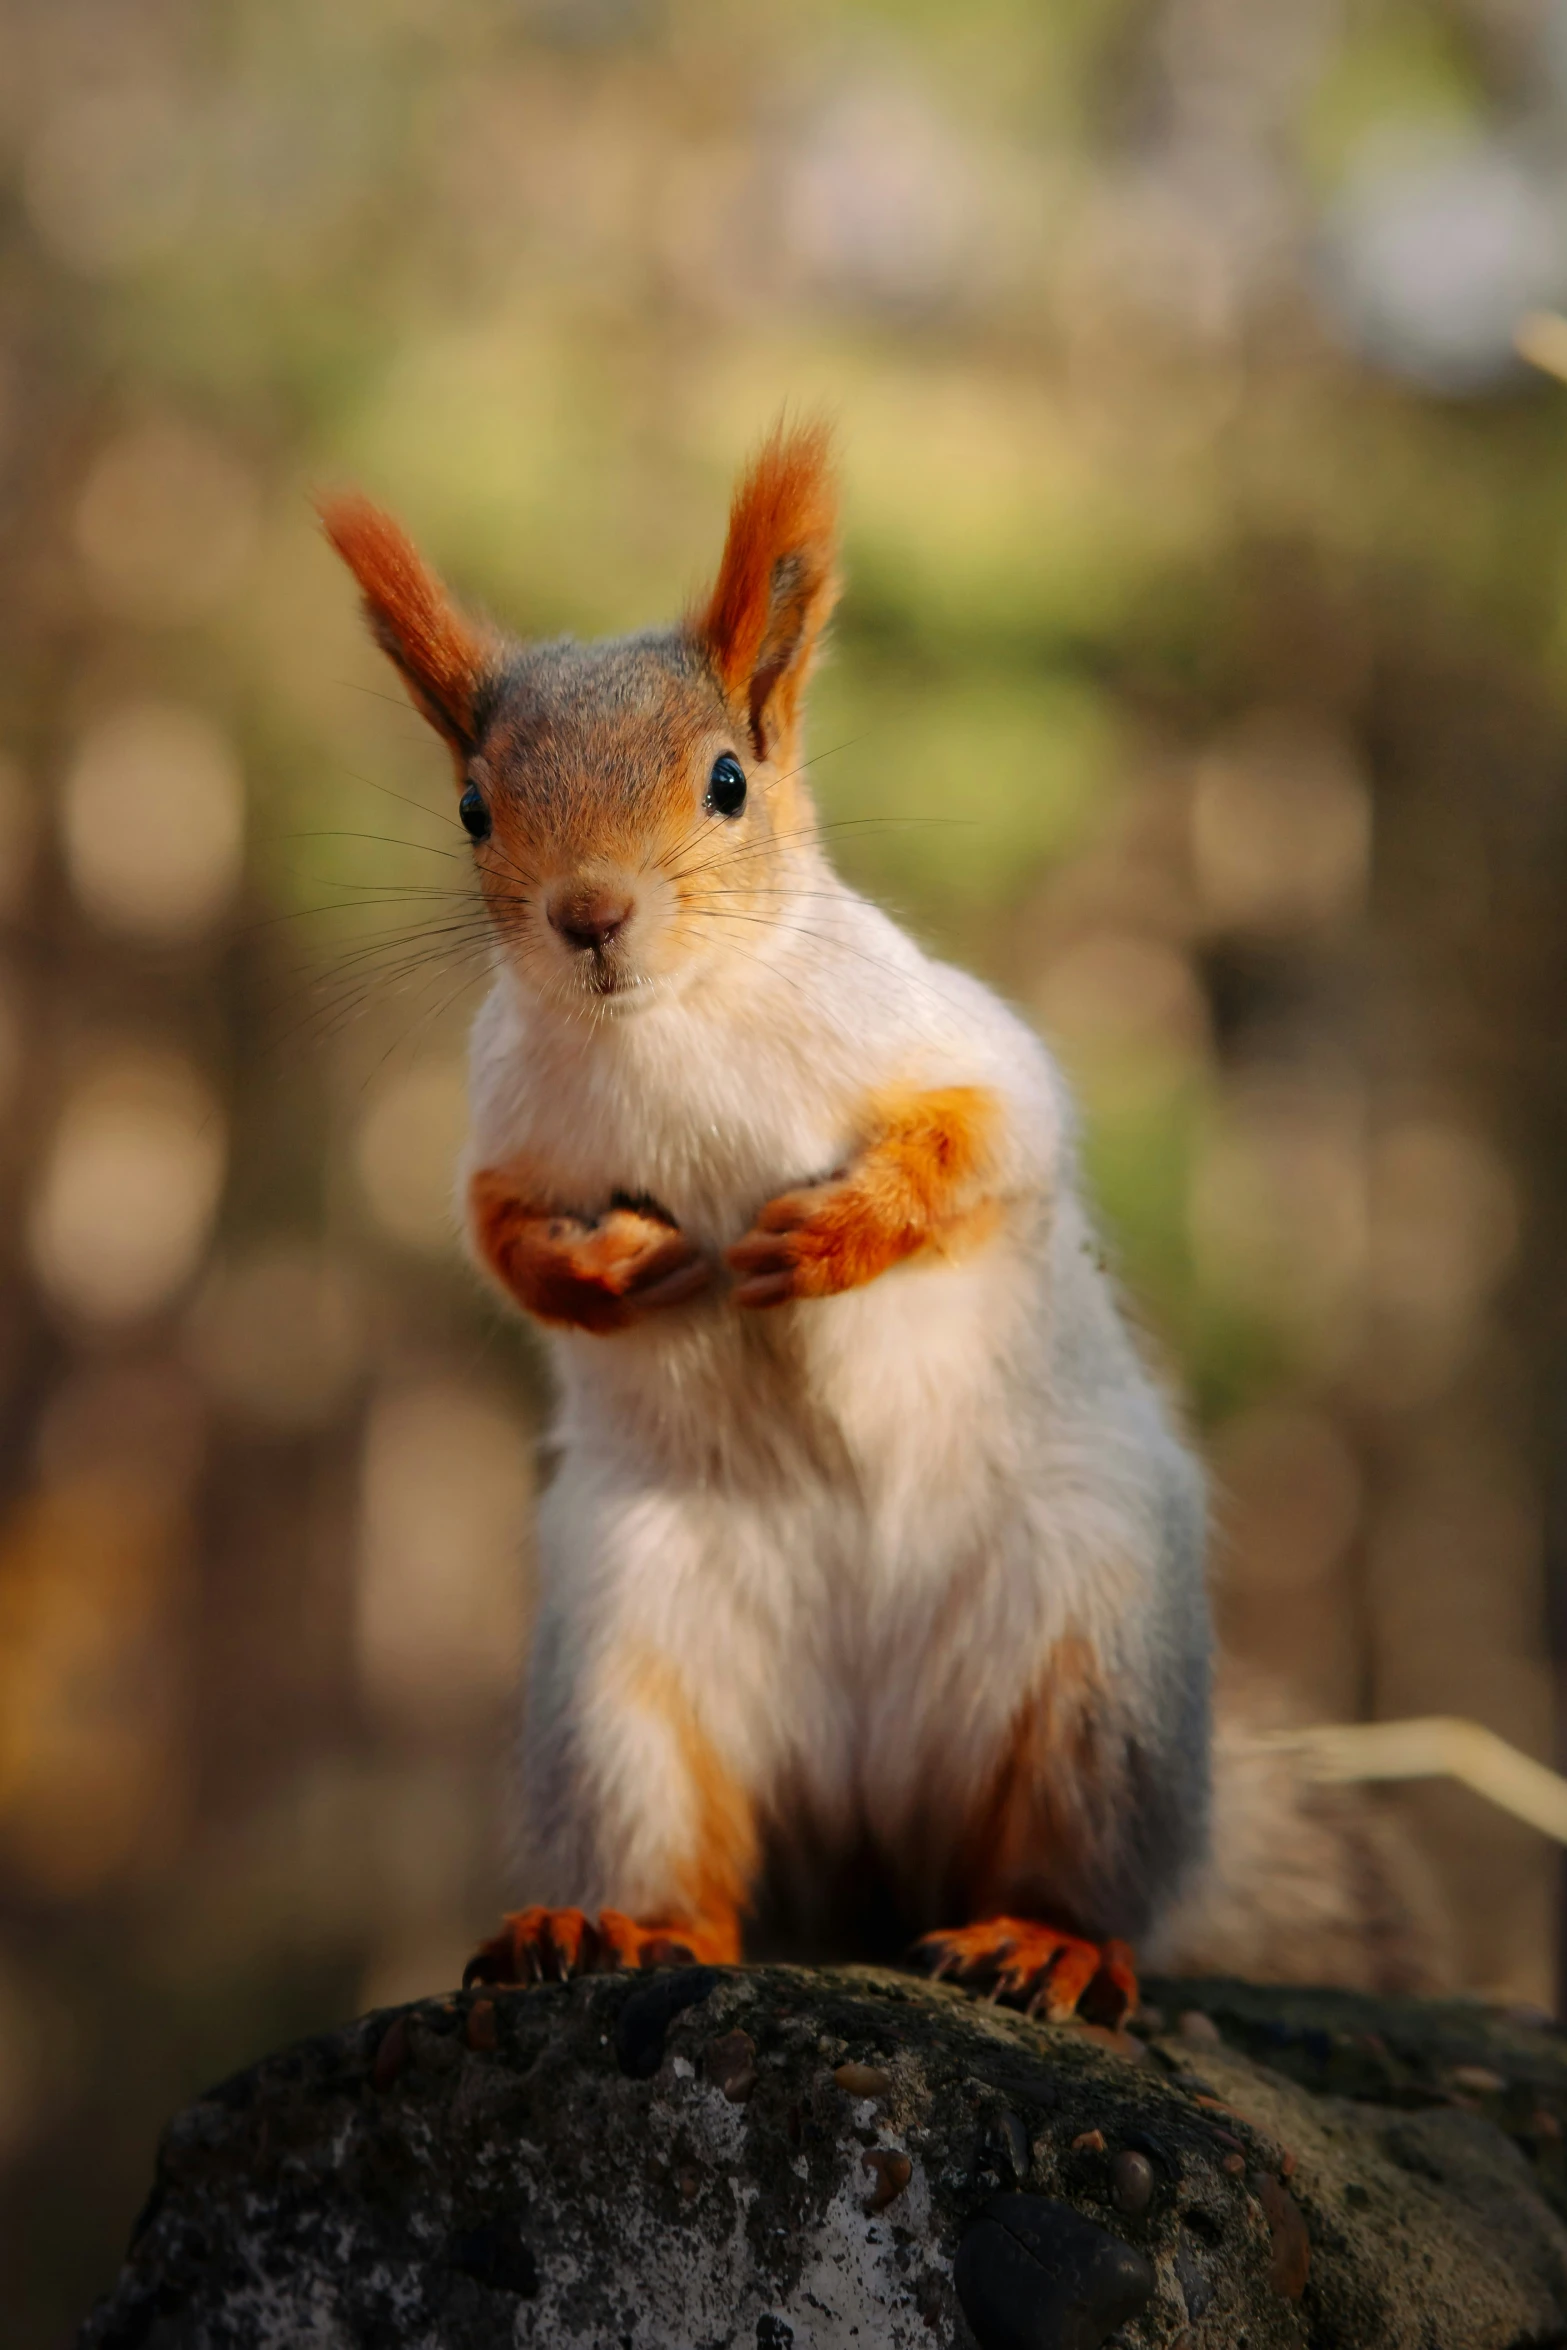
1202	681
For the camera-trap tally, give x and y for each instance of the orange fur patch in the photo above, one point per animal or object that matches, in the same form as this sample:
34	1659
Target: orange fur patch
586	1273
442	654
717	1878
777	583
1051	1776
912	1187
1051	1789
714	1883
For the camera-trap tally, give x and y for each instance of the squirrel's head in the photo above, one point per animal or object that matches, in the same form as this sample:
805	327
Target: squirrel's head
635	805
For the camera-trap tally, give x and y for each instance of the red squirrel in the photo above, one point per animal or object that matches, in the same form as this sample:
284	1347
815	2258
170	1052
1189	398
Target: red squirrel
873	1612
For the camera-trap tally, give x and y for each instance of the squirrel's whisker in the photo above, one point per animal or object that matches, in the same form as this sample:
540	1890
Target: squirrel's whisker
826	939
739	852
420	807
387	955
329	1018
386	840
361	905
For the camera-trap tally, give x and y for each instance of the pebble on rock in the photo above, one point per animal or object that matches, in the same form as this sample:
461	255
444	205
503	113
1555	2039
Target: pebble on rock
863	2080
1033	2274
1291	2262
1478	2079
1132	2182
646	2016
730	2064
1118	2042
392	2054
1005	2145
892	2173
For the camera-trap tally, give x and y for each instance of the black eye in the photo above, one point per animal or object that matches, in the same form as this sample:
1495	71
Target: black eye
726	786
474	813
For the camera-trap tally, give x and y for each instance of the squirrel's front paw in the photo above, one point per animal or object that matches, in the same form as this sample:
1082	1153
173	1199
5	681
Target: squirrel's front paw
812	1242
593	1273
622	1264
917	1184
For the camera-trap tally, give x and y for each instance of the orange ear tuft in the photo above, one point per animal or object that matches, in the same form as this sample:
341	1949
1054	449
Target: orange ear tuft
443	656
777	583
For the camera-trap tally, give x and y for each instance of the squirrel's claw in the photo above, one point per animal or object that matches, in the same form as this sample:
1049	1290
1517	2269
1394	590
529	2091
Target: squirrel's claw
783	1255
766	1289
791	1211
1041	1969
687	1278
541	1945
534	1946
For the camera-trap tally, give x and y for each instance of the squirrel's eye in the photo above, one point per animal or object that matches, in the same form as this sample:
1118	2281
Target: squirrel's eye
474	813
726	786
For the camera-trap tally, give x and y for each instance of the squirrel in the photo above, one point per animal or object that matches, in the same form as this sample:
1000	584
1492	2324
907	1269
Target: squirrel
873	1613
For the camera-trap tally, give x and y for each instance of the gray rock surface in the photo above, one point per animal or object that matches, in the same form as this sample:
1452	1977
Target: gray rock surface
781	2157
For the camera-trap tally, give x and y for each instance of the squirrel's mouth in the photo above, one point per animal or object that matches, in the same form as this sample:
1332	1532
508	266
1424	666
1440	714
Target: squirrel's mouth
604	982
593	981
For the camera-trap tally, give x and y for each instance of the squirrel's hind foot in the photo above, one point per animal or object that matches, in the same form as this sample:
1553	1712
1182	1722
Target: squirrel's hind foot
551	1945
1038	1968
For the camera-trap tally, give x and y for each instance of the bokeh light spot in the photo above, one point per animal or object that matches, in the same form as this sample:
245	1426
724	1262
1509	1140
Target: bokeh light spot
1289	1497
166	523
154	821
18	832
1115	989
1281	827
440	1609
407	1148
1278	1214
129	1189
109	178
281	1334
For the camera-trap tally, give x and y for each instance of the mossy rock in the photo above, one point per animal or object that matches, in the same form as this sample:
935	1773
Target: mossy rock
787	2156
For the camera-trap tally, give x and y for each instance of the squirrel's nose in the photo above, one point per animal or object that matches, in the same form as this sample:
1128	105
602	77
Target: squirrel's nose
589	918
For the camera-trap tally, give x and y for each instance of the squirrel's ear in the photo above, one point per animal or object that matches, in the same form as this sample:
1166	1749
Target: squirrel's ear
777	583
444	657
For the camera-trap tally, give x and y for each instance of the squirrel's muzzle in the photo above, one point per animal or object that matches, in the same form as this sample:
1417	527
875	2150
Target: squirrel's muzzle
589	916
